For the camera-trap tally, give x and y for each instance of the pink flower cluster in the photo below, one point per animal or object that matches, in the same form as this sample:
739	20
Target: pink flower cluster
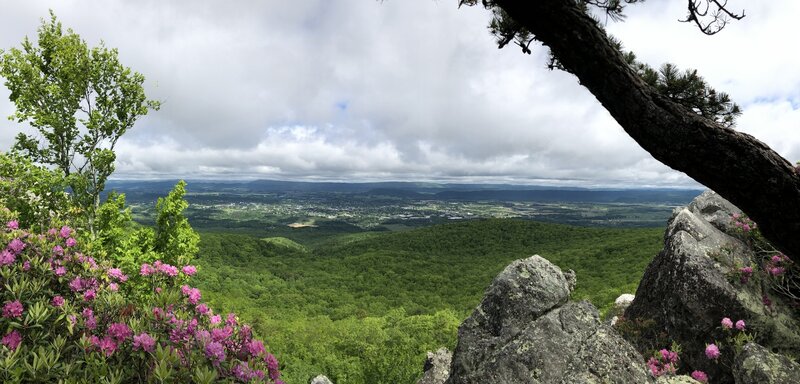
727	323
116	274
13	309
745	273
144	342
777	265
158	267
664	362
700	376
712	351
79	283
12	340
193	294
743	222
9	254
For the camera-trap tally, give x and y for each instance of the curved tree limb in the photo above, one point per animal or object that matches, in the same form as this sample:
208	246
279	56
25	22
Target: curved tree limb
736	165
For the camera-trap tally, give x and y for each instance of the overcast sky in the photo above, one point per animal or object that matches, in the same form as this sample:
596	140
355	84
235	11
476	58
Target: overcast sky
403	90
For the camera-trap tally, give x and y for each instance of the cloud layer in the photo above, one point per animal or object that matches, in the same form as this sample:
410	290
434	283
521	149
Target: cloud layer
401	90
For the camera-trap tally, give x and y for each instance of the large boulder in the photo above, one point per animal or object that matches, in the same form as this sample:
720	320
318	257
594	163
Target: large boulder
691	285
757	365
321	379
676	380
525	330
437	367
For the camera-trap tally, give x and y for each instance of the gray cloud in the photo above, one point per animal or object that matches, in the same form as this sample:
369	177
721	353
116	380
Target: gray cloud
401	90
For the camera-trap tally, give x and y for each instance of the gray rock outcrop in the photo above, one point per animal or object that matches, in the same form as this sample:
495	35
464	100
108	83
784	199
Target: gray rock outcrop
437	367
525	330
321	379
676	380
689	287
756	365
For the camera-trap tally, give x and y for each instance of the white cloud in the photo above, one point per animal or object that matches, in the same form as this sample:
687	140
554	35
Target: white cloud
401	90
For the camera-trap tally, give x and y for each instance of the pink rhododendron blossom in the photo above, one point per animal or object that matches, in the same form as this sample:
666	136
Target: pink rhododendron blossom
16	246
215	351
87	260
202	336
746	272
65	232
12	340
665	362
740	325
202	309
189	270
231	320
700	376
57	301
727	323
168	270
13	309
259	375
7	257
58	251
256	348
113	287
776	271
26	265
654	366
119	331
12	225
146	270
116	273
144	342
88	317
220	334
76	285
272	365
245	333
242	372
60	271
669	356
216	319
71	242
712	351
194	295
107	345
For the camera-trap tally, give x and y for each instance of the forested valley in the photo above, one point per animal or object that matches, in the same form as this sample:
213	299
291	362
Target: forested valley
365	307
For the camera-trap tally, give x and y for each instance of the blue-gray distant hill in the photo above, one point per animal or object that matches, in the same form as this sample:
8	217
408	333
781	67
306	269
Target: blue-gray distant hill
255	190
629	196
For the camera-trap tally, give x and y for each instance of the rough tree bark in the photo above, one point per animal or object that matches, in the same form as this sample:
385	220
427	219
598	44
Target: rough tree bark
736	165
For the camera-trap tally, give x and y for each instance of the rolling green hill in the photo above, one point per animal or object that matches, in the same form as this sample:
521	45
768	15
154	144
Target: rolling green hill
364	308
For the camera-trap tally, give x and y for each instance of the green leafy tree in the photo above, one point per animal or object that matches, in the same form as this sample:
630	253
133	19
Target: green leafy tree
80	99
34	192
175	239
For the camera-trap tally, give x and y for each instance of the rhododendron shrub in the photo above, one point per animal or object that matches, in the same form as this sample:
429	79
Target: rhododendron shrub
664	362
770	266
68	316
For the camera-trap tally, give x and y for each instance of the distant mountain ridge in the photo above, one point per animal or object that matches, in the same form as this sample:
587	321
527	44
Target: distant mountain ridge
419	190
